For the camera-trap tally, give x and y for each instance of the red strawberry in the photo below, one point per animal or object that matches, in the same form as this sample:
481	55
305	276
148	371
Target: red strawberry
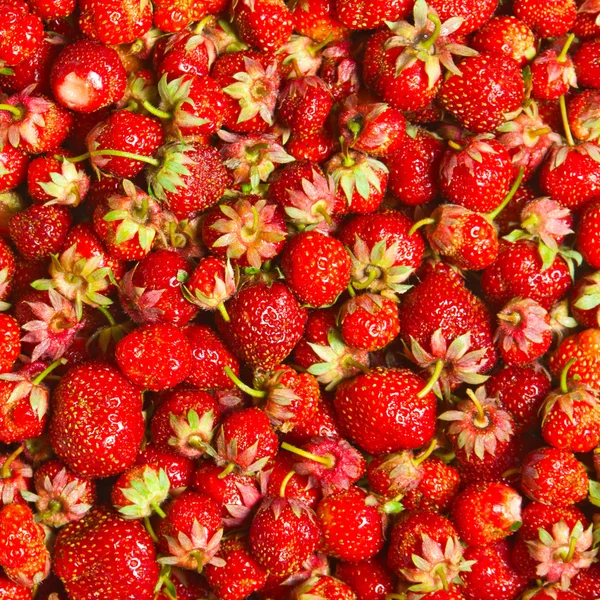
179	469
316	147
283	534
323	587
173	15
13	168
352	527
584	300
304	105
240	576
265	324
586	64
506	35
386	410
97	425
339	70
22	33
186	53
52	180
370	579
583	347
472	12
61	495
488	87
262	24
23	553
87	76
552	74
15	477
358	14
191	532
7	272
155	356
551	19
89	557
10	590
317	19
181	583
554	476
10	335
589	226
584	115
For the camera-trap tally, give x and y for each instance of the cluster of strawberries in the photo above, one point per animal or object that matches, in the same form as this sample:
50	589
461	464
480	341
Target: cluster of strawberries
299	301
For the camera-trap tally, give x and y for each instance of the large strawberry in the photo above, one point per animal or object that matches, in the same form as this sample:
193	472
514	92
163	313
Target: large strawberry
263	24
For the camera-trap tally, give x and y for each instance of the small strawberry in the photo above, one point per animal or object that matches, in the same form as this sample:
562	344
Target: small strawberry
584	115
87	76
141	356
179	469
11	342
583	347
304	105
323	587
15	477
553	73
547	20
97	426
185	53
88	557
262	24
317	19
173	15
13	168
589	225
339	70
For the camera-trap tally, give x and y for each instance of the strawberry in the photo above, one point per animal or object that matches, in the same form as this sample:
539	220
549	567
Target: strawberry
180	583
240	576
323	587
184	422
190	532
552	74
87	76
7	272
316	268
22	33
581	351
369	321
56	181
339	70
173	15
589	225
248	230
265	324
488	87
283	534
154	293
10	590
262	24
237	494
386	410
185	53
179	469
89	557
358	14
492	575
586	64
13	168
583	300
245	441
486	513
141	353
317	147
414	169
116	21
317	19
115	142
473	14
61	496
352	526
304	104
370	579
584	115
551	19
507	35
11	343
23	555
543	468
467	174
94	408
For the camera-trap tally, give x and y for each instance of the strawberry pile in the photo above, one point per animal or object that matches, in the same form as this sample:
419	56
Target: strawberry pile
299	301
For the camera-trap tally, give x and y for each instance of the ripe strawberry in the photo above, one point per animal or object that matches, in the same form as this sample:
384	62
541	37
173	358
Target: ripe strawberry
589	225
22	32
352	527
317	19
89	557
358	14
240	576
370	579
186	53
51	180
237	494
369	321
586	64
9	590
179	469
317	147
7	272
544	468
141	356
386	410
184	423
473	13
414	169
507	35
552	74
182	584
23	554
173	15
265	324
488	87
584	300
304	105
60	496
97	425
584	115
124	132
13	168
583	347
339	70
464	238
87	76
551	19
323	587
262	24
283	534
116	21
248	230
245	441
10	335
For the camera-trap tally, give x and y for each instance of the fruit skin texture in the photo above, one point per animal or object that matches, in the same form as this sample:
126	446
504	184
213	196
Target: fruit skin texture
549	18
10	341
370	579
103	557
266	323
12	591
381	412
97	425
585	347
589	234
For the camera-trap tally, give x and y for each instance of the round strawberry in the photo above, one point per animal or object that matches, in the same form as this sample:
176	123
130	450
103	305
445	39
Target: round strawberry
13	168
583	347
547	19
22	32
587	234
586	64
10	334
370	579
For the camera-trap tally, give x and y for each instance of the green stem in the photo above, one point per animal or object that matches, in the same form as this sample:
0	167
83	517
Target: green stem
228	469
513	190
245	388
540	131
48	370
73	159
6	71
421	223
200	26
285	482
563	53
146	159
437	371
15	110
565	120
428	43
348	361
572	546
564	388
221	308
351	291
317	47
109	317
424	455
441	572
454	145
327	461
362	285
161	114
199	556
321	211
150	529
480	420
5	471
532	220
158	510
53	507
